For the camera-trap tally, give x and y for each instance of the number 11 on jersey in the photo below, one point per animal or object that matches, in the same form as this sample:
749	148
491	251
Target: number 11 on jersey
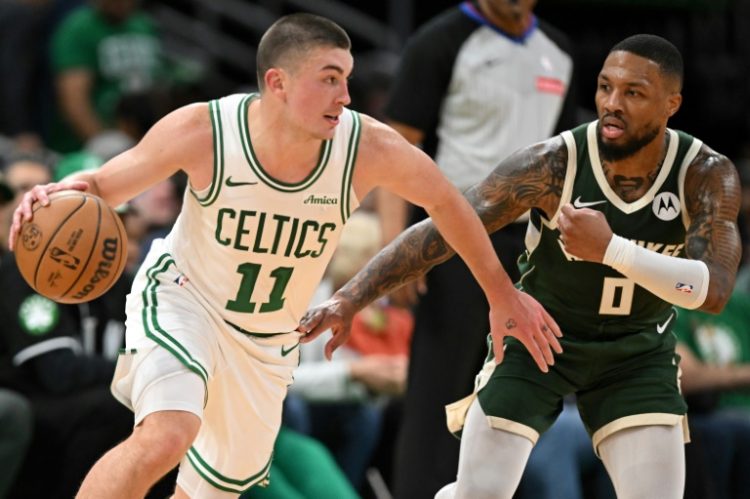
250	272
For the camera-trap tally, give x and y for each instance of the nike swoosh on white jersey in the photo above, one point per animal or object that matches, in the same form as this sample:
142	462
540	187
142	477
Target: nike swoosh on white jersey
660	328
583	204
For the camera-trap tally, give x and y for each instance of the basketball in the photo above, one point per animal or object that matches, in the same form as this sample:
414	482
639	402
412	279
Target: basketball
72	250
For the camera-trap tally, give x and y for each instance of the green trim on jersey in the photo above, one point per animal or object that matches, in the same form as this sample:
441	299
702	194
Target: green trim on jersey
252	159
218	141
590	300
254	334
351	158
229	484
151	323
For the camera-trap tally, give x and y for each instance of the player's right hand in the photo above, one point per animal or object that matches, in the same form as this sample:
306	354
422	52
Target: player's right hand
24	213
335	314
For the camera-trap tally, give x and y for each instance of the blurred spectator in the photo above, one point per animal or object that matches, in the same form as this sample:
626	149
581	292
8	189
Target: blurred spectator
16	428
101	52
21	22
24	173
475	83
158	207
20	175
61	358
346	397
6	212
302	468
715	352
76	418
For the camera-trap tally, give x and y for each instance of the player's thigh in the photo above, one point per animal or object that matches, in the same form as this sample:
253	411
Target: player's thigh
642	391
519	398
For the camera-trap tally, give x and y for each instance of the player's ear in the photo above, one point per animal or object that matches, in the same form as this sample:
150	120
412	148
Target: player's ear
275	80
674	101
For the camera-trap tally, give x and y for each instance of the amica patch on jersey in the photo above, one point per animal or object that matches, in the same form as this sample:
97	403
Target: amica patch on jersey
38	315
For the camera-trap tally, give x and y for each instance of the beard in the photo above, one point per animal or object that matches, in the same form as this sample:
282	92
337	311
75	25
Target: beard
617	152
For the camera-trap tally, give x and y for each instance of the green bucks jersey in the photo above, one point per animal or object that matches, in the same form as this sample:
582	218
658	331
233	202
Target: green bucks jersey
591	299
254	247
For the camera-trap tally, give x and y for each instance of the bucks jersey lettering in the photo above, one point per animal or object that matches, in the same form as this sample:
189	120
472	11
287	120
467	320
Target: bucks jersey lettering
254	247
590	299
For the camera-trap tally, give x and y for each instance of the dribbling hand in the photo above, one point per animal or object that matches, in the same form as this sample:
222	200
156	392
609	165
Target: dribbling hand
23	212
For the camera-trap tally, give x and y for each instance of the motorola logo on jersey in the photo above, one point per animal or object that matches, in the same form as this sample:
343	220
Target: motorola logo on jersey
666	206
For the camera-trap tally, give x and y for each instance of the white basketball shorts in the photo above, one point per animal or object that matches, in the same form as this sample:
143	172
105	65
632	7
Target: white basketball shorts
243	380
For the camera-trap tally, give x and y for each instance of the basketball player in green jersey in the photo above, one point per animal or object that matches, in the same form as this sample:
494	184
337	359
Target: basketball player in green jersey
627	219
211	329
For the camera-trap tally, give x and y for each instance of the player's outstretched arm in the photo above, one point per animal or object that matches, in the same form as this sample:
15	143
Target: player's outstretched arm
180	140
421	247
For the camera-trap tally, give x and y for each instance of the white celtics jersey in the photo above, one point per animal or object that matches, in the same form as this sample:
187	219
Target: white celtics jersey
255	247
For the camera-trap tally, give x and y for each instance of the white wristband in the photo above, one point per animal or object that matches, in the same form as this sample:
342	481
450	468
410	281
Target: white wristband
679	281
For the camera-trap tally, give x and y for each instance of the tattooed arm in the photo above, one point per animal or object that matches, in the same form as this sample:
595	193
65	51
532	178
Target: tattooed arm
712	196
532	177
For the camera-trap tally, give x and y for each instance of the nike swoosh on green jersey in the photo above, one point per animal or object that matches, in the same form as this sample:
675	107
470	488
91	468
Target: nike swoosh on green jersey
660	328
285	352
231	183
583	204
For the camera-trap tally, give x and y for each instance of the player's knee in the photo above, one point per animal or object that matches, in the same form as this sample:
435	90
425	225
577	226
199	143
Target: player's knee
166	437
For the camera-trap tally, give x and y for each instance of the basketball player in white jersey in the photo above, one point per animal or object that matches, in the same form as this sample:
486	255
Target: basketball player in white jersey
212	318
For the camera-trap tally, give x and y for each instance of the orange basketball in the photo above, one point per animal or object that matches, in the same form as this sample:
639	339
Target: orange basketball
73	249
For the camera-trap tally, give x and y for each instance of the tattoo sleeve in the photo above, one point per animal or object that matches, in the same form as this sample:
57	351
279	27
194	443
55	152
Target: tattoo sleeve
713	196
530	178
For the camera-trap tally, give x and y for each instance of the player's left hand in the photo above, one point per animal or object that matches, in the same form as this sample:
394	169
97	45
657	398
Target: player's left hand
521	316
335	314
584	232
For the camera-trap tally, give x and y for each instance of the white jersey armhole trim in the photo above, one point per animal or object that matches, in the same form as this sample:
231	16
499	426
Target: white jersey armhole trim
570	175
695	147
209	194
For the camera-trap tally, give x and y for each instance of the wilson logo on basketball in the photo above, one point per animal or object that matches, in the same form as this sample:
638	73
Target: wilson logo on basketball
109	252
31	236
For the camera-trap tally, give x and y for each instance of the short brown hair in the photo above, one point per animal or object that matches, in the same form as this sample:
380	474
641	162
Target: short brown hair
297	33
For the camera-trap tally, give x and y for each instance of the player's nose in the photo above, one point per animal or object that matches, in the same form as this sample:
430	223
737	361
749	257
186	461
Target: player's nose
344	98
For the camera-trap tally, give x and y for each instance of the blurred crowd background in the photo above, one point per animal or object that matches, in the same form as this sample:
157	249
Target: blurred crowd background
84	80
